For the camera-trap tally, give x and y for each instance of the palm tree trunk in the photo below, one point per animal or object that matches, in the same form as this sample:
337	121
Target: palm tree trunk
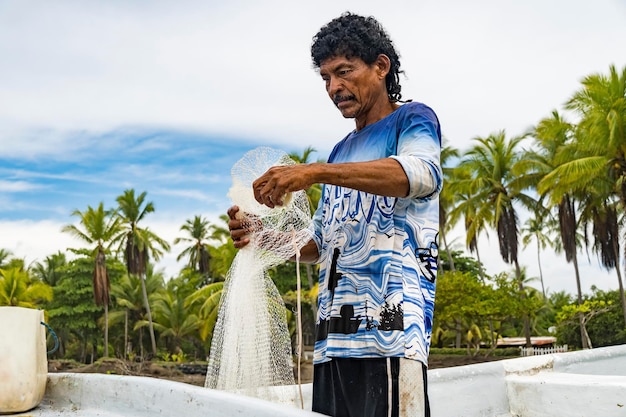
583	336
141	352
482	277
106	330
543	288
125	333
457	340
481	273
445	245
619	280
83	349
621	292
149	314
526	318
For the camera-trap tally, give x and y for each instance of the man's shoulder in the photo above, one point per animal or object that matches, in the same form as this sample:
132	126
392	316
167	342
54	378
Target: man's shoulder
415	107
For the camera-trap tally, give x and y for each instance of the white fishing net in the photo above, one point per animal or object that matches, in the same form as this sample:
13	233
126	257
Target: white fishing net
251	347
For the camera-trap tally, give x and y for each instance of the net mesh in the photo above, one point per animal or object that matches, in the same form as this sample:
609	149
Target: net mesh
251	347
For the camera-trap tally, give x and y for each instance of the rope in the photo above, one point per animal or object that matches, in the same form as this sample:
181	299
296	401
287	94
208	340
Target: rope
54	336
298	317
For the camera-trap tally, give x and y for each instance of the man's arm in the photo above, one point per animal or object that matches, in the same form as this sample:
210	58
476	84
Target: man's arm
384	177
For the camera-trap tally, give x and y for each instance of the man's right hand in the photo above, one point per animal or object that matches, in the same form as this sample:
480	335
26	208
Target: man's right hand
241	225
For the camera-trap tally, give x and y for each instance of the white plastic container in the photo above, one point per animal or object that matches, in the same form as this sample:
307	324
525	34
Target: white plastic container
23	360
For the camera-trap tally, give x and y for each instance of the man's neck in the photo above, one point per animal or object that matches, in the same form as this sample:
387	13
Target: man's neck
376	114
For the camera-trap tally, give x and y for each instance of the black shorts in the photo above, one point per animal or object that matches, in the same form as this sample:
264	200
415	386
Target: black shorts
379	387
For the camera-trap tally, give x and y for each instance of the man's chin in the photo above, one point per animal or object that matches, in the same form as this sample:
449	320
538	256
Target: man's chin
347	114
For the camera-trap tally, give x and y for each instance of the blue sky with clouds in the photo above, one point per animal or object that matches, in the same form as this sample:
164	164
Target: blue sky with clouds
180	171
164	97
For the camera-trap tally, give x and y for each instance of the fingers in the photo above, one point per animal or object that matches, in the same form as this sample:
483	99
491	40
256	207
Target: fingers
232	212
235	225
269	190
241	225
263	193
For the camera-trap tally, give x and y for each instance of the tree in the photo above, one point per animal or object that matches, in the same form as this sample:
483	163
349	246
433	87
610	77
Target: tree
48	271
467	205
139	243
5	255
19	290
492	182
587	310
535	228
173	320
128	294
72	311
207	300
601	105
557	147
98	227
447	198
198	253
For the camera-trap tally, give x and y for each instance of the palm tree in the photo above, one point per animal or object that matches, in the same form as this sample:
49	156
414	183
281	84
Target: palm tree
475	215
128	293
139	243
534	228
198	252
48	271
18	289
5	254
556	148
468	205
98	227
601	105
447	198
491	162
601	214
172	319
208	298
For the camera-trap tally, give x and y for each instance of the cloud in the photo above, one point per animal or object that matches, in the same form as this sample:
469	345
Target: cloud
33	240
16	186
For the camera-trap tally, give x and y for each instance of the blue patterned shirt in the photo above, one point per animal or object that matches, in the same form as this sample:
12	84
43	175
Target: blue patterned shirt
378	255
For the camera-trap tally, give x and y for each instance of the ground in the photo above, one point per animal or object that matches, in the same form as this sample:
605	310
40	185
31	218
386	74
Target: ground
193	376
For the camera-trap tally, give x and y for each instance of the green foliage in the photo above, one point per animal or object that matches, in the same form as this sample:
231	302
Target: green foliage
284	277
462	263
19	290
172	320
603	322
73	313
206	302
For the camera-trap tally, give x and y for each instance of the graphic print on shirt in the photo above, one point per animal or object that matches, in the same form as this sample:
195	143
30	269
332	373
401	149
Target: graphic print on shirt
379	254
427	258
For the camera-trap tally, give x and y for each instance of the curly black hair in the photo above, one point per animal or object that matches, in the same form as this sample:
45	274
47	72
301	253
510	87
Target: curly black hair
351	35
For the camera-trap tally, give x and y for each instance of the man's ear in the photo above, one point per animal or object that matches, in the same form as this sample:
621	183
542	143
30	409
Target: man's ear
383	65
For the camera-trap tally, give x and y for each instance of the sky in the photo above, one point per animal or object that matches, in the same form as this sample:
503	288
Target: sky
102	96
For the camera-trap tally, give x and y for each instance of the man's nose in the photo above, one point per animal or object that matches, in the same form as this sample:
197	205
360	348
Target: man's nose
334	86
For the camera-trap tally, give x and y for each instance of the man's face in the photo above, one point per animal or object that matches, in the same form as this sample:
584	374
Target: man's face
354	86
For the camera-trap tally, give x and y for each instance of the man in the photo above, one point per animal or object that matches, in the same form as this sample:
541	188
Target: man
376	229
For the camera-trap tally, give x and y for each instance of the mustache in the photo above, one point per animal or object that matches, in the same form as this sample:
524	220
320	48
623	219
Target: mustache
339	98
